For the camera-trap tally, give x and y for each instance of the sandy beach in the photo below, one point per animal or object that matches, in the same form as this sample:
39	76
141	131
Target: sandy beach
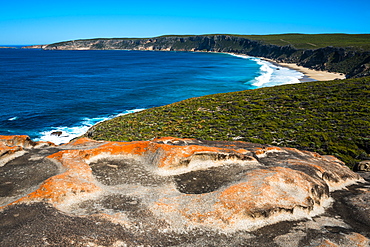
310	73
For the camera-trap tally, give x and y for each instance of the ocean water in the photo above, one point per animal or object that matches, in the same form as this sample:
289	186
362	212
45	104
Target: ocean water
69	91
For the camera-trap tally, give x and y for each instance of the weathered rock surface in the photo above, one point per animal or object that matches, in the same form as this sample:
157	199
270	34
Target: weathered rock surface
177	192
333	59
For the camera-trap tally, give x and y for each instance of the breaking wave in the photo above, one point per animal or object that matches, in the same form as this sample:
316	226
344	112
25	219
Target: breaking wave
64	134
271	74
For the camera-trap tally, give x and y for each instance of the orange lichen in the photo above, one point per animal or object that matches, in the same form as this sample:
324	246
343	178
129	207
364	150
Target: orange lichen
326	243
358	239
256	191
121	148
173	154
9	149
261	193
266	188
58	187
76	179
260	151
168	156
17	140
14	137
331	158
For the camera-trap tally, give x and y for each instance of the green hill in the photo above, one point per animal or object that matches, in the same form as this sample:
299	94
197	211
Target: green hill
357	42
315	41
326	117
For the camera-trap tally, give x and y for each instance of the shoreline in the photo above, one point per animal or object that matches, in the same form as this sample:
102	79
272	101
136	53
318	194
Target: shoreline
309	74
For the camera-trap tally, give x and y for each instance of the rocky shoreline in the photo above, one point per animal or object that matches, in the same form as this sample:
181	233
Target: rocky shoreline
177	192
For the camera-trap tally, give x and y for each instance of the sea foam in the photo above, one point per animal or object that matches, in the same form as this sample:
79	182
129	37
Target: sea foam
64	134
271	74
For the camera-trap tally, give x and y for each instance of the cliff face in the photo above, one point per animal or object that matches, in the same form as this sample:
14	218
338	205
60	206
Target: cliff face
351	63
176	192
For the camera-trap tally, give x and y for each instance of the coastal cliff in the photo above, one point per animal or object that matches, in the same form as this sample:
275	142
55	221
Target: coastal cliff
352	62
177	192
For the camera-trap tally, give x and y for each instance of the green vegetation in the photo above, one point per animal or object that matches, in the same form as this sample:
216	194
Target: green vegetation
326	117
357	42
315	41
360	42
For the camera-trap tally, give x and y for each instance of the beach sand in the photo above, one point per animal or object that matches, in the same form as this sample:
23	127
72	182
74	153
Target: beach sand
310	74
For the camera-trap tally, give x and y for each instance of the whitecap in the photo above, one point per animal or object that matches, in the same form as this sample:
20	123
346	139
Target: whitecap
272	74
241	56
266	71
64	134
285	76
13	118
60	135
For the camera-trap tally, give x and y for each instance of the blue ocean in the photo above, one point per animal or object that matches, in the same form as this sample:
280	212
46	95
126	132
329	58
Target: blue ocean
46	91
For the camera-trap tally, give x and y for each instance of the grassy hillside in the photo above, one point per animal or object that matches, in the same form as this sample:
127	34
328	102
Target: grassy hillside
315	41
327	117
358	42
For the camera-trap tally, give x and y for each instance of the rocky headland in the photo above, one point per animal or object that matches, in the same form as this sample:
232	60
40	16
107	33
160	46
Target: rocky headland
351	62
34	47
177	192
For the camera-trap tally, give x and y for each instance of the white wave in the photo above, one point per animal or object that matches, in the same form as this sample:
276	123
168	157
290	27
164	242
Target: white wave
60	135
64	134
266	71
283	75
271	74
13	118
241	56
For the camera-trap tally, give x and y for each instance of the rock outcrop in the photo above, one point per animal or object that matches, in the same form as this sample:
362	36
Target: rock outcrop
177	192
363	166
34	47
352	63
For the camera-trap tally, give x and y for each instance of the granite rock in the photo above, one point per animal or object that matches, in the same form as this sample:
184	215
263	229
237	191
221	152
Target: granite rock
177	192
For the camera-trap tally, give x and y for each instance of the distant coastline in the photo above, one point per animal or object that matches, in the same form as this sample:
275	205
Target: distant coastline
8	47
336	53
34	47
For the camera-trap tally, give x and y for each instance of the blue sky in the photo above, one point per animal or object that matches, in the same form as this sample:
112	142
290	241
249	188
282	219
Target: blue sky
42	22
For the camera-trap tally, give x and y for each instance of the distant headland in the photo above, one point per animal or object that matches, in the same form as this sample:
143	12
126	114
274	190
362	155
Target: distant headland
8	47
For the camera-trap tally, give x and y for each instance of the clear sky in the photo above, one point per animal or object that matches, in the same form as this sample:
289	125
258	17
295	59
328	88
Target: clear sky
28	22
